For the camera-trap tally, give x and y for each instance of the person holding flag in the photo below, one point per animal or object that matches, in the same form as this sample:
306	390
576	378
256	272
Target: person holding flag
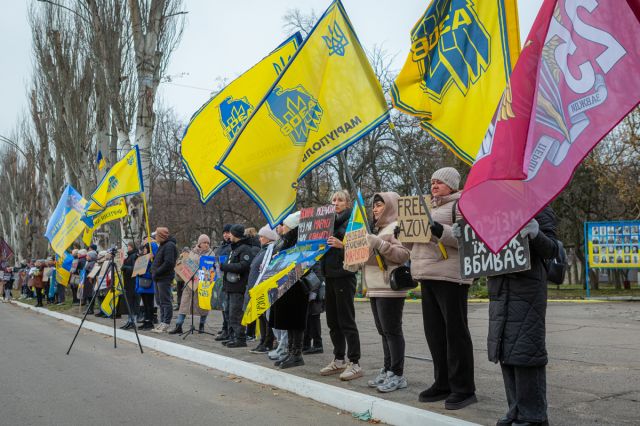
340	292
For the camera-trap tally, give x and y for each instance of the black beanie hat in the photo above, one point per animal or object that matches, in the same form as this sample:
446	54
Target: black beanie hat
237	230
227	228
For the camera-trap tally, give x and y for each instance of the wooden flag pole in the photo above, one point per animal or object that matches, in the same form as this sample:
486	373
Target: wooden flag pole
423	202
146	220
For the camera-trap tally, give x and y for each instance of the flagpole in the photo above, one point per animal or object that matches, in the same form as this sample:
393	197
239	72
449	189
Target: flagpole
423	202
381	263
146	220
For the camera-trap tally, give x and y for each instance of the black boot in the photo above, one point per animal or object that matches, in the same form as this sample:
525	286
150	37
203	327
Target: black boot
280	360
201	328
147	325
127	325
177	330
295	352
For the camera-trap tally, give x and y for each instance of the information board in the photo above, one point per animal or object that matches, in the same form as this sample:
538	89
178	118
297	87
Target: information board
613	244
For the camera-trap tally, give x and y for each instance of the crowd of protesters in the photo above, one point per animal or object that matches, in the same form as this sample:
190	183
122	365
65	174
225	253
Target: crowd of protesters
291	327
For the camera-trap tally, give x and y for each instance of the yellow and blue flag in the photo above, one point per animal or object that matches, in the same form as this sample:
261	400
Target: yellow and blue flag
123	179
462	54
114	211
65	224
110	300
63	268
357	220
100	161
327	98
214	126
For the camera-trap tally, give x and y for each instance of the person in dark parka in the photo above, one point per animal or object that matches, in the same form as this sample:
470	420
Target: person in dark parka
162	273
517	308
129	286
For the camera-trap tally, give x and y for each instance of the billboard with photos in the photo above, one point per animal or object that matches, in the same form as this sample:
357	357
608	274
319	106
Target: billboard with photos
613	244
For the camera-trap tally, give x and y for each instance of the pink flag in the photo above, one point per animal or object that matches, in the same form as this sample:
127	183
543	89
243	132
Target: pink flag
5	250
577	77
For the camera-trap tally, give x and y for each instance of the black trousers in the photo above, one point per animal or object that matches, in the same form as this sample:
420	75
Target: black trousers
313	332
147	305
266	332
526	389
341	317
179	289
39	296
236	329
444	314
387	315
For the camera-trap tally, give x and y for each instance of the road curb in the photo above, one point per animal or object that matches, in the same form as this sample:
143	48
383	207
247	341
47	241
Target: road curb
389	412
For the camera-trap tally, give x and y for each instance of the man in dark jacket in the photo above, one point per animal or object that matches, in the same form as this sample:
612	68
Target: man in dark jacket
517	308
162	274
222	253
235	276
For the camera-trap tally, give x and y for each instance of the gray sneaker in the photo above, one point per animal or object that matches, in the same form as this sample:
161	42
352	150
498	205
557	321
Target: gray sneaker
392	383
379	379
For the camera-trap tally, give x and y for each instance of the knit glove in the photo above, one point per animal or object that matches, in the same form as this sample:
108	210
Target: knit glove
531	229
437	229
374	241
456	230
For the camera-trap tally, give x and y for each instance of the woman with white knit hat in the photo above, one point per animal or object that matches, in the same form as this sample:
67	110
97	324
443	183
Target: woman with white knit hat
444	298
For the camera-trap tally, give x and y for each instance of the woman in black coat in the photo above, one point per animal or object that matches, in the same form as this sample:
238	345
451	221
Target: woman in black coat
517	309
129	285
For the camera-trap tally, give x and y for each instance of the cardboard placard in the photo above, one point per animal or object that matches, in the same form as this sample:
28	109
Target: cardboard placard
476	260
316	223
356	247
413	221
103	268
140	267
94	271
187	266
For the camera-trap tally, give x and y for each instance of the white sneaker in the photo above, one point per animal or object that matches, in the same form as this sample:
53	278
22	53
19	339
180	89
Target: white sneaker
392	383
336	366
161	328
353	371
379	379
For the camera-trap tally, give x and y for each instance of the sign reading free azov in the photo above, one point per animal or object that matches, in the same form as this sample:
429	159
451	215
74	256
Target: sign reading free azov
476	260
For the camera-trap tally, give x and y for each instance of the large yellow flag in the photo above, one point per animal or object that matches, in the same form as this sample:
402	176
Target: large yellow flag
326	99
123	179
65	224
462	54
112	212
214	126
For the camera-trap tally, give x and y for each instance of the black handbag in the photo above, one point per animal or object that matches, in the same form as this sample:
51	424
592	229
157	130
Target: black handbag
557	267
400	279
310	282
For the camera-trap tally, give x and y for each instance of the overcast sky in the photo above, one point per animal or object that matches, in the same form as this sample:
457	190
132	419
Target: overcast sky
221	40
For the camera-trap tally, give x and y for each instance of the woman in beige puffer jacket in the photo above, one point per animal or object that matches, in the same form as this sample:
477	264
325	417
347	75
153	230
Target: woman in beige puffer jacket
386	304
444	299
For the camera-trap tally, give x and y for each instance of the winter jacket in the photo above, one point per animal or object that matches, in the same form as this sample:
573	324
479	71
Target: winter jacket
427	262
223	250
392	251
165	261
518	304
332	261
147	275
38	278
236	269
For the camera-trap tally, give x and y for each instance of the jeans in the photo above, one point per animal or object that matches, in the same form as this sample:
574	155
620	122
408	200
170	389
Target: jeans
444	316
182	317
526	389
164	298
387	315
236	329
60	293
341	317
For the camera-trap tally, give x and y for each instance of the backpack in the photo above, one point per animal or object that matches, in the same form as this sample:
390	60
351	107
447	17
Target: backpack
557	267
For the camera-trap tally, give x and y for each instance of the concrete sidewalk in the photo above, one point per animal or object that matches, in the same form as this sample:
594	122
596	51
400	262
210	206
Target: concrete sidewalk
593	375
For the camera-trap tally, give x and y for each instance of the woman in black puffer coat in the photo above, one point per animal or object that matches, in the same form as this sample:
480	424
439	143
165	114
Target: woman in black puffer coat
517	309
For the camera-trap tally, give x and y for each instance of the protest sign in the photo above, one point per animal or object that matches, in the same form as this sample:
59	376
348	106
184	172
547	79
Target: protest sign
140	267
206	281
187	266
413	221
316	223
94	271
476	260
356	248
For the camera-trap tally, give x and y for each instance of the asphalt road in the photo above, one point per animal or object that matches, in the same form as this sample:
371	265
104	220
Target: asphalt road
97	384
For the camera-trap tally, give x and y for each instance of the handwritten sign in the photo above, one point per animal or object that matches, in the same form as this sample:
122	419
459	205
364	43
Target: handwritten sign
476	260
356	248
140	267
94	271
316	223
187	266
412	220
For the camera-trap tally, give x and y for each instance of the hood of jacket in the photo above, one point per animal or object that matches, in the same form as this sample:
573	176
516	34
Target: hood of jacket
170	238
390	213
